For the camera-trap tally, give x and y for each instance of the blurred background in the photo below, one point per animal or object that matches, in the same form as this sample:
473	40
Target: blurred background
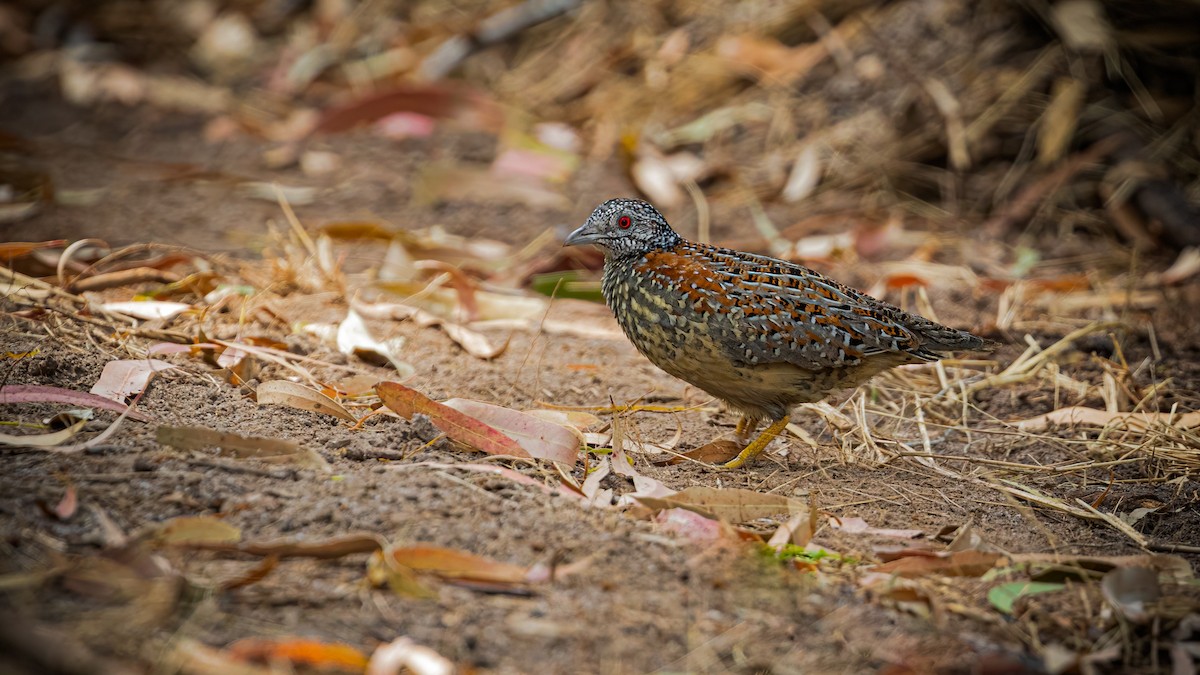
1029	170
814	130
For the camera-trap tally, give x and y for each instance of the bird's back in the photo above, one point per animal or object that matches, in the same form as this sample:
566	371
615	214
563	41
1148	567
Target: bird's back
760	310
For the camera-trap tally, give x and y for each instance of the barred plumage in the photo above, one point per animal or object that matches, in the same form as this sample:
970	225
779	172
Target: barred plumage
760	333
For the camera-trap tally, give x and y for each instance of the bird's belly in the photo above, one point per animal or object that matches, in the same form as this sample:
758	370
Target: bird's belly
682	344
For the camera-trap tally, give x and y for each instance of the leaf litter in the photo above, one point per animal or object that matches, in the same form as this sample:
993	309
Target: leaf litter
1106	456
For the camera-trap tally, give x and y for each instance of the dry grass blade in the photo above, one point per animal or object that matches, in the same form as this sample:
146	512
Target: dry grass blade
1031	495
1032	361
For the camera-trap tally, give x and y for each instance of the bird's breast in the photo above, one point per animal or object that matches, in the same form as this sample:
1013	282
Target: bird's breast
667	320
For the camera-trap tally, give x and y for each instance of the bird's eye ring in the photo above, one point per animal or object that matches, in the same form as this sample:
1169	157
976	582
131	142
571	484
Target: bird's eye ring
624	222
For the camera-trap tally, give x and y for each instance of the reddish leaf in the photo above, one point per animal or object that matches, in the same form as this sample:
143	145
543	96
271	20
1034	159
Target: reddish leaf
322	655
36	393
689	525
454	565
66	507
123	378
459	427
898	281
15	249
716	452
406	125
321	549
439	101
542	439
960	564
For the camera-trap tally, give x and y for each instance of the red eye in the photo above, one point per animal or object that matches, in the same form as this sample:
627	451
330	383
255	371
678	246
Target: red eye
624	222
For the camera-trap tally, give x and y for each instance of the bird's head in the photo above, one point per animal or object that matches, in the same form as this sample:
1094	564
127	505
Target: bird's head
624	227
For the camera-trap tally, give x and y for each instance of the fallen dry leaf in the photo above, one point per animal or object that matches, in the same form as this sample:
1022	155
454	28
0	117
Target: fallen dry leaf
591	485
403	125
967	563
1186	266
353	338
42	440
860	526
1078	415
567	418
714	452
476	344
735	505
67	505
1130	590
123	378
321	549
436	100
195	658
798	531
272	450
457	426
768	60
323	656
148	309
16	249
402	655
291	394
197	530
453	565
37	393
689	525
541	439
251	576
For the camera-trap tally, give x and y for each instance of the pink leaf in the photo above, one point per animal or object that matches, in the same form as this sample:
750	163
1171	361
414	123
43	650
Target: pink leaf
459	427
124	378
541	439
66	507
405	125
689	525
37	393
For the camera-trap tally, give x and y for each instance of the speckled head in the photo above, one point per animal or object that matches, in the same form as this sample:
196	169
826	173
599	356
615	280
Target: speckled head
625	227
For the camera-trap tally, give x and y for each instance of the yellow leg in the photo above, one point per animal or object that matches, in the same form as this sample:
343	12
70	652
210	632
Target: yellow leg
764	439
745	426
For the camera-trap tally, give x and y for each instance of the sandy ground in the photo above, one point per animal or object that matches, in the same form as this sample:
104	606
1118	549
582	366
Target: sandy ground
645	599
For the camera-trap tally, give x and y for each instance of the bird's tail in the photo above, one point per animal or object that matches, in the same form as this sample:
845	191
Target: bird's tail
938	338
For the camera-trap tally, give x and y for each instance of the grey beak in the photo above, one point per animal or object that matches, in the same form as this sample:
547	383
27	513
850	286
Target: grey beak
584	235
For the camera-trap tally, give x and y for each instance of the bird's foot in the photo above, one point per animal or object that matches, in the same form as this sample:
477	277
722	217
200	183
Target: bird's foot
759	444
745	427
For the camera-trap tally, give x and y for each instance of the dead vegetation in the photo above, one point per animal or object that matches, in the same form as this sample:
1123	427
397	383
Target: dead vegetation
1026	169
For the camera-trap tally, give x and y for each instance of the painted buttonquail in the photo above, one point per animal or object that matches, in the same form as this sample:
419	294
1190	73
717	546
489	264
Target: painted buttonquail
759	333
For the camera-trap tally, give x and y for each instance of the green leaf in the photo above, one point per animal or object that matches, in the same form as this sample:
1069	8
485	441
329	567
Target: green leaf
1003	596
566	284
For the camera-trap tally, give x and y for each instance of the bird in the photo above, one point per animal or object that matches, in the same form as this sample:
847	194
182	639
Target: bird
759	333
